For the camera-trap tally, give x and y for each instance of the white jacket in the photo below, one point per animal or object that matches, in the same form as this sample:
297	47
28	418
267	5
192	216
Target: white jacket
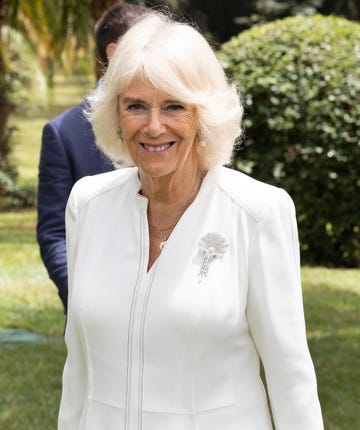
160	350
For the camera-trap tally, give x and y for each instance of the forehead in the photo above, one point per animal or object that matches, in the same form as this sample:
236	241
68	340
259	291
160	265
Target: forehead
139	89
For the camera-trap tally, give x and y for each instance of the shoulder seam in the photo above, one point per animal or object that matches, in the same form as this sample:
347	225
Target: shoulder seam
96	193
257	218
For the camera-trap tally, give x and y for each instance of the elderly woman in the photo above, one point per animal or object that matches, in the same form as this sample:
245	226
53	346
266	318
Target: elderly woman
183	274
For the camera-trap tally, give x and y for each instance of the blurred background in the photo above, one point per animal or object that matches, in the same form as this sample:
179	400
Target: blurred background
297	65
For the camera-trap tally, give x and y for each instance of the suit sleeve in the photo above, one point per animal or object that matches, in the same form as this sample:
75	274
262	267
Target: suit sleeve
74	380
55	183
276	318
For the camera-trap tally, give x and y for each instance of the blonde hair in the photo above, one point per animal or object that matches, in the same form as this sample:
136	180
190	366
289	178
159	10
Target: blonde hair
177	60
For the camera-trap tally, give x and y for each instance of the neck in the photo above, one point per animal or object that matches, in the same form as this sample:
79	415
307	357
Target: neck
168	199
172	187
170	196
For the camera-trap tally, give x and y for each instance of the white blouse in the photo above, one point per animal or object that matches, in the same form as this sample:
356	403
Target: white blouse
169	349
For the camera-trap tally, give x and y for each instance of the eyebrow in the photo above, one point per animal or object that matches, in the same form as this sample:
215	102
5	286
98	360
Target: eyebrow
138	100
131	100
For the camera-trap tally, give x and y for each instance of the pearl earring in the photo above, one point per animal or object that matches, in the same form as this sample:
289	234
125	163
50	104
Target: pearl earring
202	143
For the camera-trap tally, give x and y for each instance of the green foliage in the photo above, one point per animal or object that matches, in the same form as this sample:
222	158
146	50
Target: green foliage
17	195
17	79
300	80
22	72
225	18
54	33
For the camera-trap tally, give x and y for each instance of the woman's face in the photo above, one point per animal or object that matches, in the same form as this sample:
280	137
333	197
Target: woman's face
158	130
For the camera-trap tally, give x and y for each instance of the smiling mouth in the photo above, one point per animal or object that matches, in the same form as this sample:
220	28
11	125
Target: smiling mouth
158	148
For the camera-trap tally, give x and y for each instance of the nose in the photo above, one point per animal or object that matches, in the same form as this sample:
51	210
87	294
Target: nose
155	125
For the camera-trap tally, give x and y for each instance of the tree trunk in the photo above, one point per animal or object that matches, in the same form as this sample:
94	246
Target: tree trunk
6	107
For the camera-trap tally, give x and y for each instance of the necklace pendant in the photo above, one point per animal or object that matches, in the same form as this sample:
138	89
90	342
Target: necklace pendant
162	244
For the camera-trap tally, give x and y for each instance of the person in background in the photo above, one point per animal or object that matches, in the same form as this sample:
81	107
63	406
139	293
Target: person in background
68	153
184	275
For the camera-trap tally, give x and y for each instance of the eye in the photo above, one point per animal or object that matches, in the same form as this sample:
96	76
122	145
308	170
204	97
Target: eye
173	108
136	107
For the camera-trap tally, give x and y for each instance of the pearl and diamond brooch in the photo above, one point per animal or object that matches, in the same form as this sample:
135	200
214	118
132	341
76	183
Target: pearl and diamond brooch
212	246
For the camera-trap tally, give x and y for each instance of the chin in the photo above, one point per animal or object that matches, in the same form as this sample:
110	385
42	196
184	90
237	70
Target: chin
155	171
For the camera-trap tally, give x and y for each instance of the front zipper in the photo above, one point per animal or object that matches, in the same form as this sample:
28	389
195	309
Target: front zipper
135	357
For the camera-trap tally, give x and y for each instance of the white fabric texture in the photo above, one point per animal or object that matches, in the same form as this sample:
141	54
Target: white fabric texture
158	350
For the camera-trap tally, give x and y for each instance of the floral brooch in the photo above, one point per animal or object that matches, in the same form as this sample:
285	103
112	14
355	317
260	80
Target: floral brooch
212	246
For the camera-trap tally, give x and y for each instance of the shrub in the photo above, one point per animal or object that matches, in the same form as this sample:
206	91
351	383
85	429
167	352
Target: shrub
300	80
16	79
14	195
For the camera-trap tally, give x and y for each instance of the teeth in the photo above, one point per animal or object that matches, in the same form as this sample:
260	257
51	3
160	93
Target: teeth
157	148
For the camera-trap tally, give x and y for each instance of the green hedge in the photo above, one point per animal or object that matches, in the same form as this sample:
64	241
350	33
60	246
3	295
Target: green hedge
300	80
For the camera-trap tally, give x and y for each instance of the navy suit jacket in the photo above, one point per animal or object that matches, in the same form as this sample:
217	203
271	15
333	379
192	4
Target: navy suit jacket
68	153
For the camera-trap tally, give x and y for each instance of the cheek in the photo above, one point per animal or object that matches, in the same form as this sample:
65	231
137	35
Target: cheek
189	126
128	126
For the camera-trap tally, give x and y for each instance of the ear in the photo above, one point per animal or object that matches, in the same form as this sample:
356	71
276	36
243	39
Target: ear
110	48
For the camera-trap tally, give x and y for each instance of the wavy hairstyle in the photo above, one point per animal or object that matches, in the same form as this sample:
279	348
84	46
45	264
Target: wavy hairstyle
177	60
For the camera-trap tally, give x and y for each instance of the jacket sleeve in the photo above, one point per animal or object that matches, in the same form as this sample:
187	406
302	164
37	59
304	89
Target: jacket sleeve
276	318
74	380
55	183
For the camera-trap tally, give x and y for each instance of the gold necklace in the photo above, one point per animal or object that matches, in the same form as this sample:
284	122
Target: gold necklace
160	231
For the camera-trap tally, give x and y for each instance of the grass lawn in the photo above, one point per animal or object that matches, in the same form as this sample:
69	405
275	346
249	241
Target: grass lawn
332	309
30	374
